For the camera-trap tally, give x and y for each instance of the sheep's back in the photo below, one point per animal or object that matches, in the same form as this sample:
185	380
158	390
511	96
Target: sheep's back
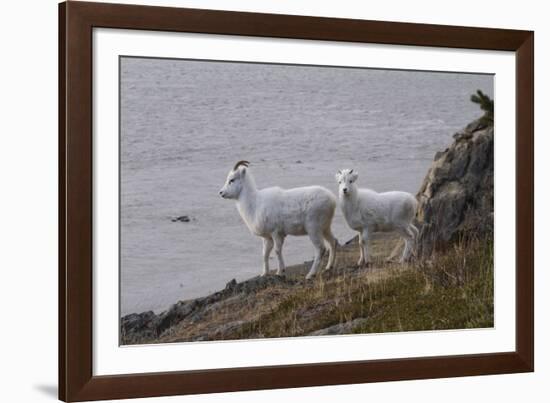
384	210
401	206
288	210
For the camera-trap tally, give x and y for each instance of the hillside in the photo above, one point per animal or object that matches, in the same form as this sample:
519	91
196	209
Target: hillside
454	290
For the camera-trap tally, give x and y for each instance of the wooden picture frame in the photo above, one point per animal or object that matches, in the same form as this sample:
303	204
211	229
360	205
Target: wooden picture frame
76	22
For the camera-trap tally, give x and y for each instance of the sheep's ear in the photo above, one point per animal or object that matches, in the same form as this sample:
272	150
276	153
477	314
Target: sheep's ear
338	175
354	175
243	171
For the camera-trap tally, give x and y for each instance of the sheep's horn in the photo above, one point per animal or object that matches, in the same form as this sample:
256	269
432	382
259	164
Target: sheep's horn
238	164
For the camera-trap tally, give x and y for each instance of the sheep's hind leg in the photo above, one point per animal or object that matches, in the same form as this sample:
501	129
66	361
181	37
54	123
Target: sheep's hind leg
416	234
279	240
319	249
408	236
394	251
331	244
415	231
268	246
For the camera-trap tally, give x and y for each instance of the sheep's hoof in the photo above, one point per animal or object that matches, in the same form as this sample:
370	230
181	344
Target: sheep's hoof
280	272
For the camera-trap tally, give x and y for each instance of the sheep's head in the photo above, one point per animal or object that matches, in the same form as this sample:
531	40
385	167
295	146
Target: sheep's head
346	181
234	182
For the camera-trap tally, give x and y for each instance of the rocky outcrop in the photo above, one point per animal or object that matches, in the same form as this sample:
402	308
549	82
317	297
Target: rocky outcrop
146	326
456	197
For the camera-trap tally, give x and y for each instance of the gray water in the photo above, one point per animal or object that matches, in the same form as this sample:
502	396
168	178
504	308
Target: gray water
185	123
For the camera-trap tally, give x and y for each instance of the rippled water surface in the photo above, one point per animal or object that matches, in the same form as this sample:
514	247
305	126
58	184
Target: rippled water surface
185	123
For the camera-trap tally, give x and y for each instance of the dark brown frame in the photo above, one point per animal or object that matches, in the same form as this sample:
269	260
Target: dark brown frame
76	21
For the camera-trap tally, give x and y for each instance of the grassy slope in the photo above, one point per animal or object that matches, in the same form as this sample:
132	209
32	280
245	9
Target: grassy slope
451	291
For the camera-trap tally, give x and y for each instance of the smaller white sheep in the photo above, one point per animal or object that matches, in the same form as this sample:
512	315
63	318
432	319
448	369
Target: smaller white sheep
367	211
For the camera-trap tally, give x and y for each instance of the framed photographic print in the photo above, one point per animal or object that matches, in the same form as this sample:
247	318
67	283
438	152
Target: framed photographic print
252	201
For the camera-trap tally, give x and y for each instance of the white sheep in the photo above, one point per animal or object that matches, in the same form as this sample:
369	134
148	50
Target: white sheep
273	213
367	211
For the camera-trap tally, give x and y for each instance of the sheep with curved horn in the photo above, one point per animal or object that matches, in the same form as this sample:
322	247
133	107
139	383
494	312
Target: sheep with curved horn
367	211
274	213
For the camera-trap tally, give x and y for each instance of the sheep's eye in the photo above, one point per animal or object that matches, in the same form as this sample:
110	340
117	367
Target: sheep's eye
231	181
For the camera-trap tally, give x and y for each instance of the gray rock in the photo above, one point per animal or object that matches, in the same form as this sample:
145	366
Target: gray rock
175	314
136	326
181	218
456	197
256	284
340	328
231	285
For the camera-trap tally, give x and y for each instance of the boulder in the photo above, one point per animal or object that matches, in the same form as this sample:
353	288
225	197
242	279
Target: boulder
138	325
456	196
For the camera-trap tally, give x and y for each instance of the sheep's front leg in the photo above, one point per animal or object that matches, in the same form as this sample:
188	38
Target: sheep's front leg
279	240
361	260
364	247
268	246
